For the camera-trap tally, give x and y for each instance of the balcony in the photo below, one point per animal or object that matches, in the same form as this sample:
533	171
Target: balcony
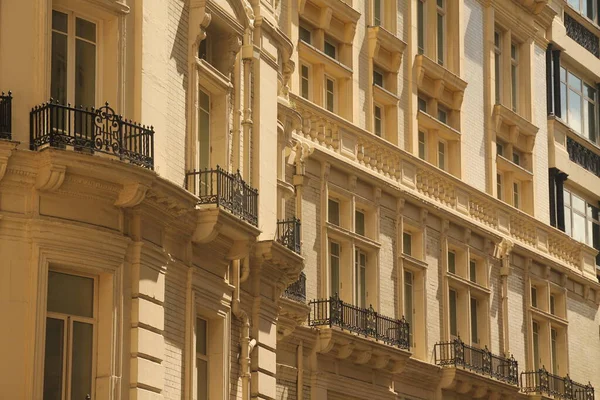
541	382
362	321
288	234
6	116
583	36
225	190
297	290
583	156
481	361
91	130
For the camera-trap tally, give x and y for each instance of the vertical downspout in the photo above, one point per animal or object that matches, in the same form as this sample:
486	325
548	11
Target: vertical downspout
246	344
300	370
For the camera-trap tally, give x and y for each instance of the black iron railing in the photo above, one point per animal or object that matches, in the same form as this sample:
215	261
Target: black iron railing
288	233
217	186
457	354
583	156
297	290
363	321
6	116
582	35
92	130
543	382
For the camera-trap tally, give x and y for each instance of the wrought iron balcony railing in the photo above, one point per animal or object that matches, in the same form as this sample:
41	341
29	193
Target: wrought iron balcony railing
230	191
363	321
543	382
582	35
6	116
288	234
583	156
481	361
297	290
92	130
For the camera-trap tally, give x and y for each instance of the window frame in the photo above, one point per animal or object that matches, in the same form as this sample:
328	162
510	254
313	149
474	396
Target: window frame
333	106
204	357
514	75
441	15
378	120
307	79
498	65
584	101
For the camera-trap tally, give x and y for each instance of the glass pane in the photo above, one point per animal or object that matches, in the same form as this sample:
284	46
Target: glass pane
422	145
58	84
85	73
451	262
440	39
305	81
563	74
85	29
574	4
53	359
513	77
408	299
453	325
407	243
377	12
420	26
574	82
497	76
335	268
578	227
82	358
70	294
334	212
204	134
568	224
474	330
305	35
200	336
60	21
202	378
574	111
588	9
473	271
363	287
533	296
359	220
553	336
578	204
422	104
563	102
330	49
590	121
536	346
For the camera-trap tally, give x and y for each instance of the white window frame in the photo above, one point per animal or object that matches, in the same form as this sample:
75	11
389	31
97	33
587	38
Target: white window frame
514	75
307	79
500	186
203	357
378	16
326	104
583	102
337	256
421	22
208	111
441	12
442	156
516	192
498	65
422	145
380	119
360	285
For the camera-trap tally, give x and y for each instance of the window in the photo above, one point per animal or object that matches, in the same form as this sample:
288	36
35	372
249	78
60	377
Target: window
203	50
441	34
421	26
407	243
305	34
359	221
498	65
514	75
334	267
333	214
442	115
473	271
474	327
552	304
304	81
73	65
587	8
377	16
582	220
330	48
422	146
202	378
442	155
452	311
360	262
330	94
452	262
578	102
70	330
553	350
204	131
536	345
422	103
534	302
378	120
516	158
499	187
500	148
516	194
377	78
408	300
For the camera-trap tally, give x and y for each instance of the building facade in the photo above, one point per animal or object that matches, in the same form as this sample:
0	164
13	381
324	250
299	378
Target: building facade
311	199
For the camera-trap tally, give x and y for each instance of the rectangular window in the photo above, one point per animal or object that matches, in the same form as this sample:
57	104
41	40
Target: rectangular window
473	271
578	101
333	212
330	48
408	300
407	243
516	195
516	158
585	7
421	26
442	115
534	296
377	78
360	261
202	369
536	345
359	221
70	325
553	350
552	305
441	31
378	120
204	131
500	148
330	94
499	187
497	65
377	12
442	155
422	146
305	34
582	220
514	75
452	313
203	50
422	104
452	262
474	326
305	81
334	267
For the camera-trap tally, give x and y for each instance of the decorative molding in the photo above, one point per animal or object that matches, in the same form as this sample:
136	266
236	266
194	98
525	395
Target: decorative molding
131	195
50	177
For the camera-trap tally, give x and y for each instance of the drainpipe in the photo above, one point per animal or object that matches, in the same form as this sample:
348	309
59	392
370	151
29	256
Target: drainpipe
246	343
247	58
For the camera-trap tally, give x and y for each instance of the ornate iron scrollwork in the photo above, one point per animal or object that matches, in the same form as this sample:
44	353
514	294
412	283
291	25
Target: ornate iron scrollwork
581	35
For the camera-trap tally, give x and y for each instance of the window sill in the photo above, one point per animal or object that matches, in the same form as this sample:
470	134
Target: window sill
314	56
464	283
414	262
343	234
517	124
443	80
393	46
384	96
428	122
519	172
213	80
548	316
343	11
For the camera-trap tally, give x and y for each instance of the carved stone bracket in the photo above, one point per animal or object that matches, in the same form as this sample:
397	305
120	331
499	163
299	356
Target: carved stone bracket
50	177
131	195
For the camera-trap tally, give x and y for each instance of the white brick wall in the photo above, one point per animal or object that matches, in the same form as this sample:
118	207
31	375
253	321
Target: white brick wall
584	340
174	332
541	193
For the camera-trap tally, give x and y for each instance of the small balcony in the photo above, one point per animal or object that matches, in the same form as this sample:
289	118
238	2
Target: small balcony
226	190
362	321
481	361
288	234
297	290
583	156
541	382
91	130
6	116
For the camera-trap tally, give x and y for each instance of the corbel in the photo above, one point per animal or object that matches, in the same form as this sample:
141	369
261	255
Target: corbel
400	207
546	271
467	236
513	134
563	280
4	156
377	195
352	183
457	99
301	5
396	61
325	170
373	45
423	217
325	18
349	31
381	361
345	351
363	357
445	227
50	177
530	142
131	195
438	88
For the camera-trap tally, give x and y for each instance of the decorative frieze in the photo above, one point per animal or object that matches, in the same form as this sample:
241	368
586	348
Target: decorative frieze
581	35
